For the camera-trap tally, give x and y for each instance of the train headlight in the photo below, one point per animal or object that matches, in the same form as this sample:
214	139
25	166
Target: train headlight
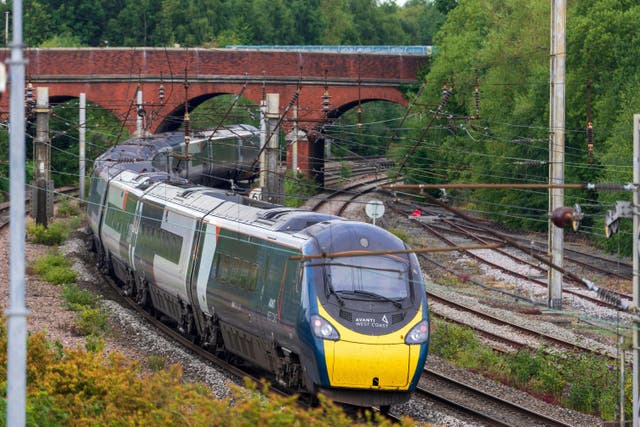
419	334
323	329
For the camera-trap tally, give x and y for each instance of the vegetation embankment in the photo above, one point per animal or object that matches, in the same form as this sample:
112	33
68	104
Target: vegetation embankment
582	382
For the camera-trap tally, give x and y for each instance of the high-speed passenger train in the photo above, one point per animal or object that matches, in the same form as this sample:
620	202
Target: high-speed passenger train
321	303
216	158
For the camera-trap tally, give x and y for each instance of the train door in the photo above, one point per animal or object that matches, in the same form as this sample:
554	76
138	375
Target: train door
280	296
233	287
133	236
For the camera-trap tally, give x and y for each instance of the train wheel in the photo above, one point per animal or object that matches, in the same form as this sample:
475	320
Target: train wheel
384	409
142	292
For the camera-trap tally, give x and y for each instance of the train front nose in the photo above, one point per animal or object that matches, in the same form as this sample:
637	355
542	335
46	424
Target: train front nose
381	366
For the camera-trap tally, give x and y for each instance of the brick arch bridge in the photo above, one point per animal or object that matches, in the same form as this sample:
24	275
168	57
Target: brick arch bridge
110	77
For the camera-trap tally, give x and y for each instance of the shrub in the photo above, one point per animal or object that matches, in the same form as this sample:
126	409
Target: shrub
77	298
450	341
92	321
86	388
65	208
156	363
400	234
56	233
345	170
298	189
55	269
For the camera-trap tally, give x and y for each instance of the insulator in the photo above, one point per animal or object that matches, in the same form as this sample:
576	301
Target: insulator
612	298
610	187
161	93
446	93
476	97
325	100
29	95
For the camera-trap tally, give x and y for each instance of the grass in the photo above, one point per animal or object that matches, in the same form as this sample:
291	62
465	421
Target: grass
55	268
54	234
583	382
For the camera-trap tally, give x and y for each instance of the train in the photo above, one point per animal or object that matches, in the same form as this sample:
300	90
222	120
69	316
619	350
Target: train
319	303
220	157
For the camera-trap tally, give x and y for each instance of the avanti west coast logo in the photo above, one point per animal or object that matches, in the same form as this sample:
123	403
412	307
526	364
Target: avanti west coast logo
372	322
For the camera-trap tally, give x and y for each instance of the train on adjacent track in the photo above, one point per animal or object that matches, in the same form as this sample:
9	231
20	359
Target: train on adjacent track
214	157
321	303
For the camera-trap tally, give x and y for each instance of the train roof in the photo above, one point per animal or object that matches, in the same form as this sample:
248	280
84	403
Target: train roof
143	148
237	208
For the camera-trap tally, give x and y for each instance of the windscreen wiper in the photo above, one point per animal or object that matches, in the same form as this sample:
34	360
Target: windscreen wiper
373	295
327	281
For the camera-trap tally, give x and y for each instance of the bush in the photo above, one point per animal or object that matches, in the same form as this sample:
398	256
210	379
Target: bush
76	387
400	234
450	341
55	234
298	189
55	269
156	363
77	298
65	208
92	321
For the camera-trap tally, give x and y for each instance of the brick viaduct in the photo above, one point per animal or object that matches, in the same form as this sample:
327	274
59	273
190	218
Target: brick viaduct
111	77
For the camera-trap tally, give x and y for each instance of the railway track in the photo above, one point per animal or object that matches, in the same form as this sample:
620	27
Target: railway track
5	207
527	337
459	228
335	201
609	266
485	407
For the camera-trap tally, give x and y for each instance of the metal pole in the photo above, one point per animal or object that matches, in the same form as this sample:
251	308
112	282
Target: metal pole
556	148
271	152
138	115
17	313
42	199
82	132
263	141
636	265
294	146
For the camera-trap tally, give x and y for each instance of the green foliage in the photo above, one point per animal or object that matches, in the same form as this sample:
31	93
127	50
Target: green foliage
503	48
210	113
55	234
156	363
91	388
448	340
345	170
76	298
104	130
216	23
583	382
54	268
92	321
94	343
66	208
298	189
400	234
365	133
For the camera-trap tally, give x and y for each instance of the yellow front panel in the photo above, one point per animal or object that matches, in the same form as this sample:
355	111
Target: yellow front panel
356	359
356	365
